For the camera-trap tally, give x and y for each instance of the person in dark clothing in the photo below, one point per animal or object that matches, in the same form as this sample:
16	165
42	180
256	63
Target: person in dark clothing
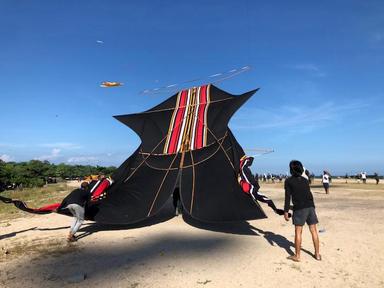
297	189
75	203
248	176
176	197
176	202
376	176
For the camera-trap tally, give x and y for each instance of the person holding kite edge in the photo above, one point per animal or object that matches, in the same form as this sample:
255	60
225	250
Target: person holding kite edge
251	187
75	203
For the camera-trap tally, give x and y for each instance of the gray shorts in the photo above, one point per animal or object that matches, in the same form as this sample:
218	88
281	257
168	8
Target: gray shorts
305	215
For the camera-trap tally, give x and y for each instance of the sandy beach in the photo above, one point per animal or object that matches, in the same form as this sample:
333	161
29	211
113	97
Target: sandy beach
171	251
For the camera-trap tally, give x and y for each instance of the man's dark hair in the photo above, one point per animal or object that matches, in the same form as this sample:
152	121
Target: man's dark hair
84	185
296	168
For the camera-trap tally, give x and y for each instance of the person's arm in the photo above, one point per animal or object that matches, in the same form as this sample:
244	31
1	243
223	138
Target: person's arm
287	200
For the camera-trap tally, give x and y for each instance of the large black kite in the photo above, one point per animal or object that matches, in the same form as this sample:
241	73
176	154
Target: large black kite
185	143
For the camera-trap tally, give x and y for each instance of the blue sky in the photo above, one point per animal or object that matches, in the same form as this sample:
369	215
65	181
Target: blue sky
319	65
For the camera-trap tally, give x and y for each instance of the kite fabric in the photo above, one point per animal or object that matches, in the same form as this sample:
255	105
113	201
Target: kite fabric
186	136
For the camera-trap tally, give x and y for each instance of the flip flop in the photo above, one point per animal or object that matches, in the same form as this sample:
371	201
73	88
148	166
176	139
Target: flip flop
318	258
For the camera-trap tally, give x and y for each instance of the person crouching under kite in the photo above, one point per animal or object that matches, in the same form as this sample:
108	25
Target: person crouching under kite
78	199
251	186
75	203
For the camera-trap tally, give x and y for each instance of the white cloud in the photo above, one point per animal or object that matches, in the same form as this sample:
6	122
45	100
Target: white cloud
11	145
310	68
378	36
378	120
299	118
83	159
6	158
55	153
61	145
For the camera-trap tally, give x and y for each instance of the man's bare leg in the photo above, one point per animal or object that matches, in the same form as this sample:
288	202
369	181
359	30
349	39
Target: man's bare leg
315	239
298	232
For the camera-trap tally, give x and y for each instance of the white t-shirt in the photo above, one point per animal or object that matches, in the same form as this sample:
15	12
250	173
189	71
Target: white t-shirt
325	178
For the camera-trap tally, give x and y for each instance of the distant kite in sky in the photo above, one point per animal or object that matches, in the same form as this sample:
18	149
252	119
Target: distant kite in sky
99	41
107	84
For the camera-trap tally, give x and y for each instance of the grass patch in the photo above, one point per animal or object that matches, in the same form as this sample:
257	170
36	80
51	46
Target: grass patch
34	197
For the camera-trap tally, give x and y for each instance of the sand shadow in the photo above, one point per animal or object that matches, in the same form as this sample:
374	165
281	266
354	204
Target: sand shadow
131	256
13	234
279	240
165	214
236	227
317	186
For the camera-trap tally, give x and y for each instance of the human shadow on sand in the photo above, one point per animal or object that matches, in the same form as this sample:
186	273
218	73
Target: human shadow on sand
244	228
278	240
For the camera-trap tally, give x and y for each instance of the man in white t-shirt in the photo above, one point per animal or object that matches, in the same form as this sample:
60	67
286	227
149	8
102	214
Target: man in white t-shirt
325	180
364	177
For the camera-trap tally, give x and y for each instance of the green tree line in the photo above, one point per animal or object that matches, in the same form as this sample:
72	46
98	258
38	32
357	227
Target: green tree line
36	173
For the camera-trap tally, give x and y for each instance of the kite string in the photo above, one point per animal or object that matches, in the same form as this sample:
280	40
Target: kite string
134	171
173	108
221	146
226	75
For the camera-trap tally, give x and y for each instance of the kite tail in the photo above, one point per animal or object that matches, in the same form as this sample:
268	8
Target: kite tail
23	206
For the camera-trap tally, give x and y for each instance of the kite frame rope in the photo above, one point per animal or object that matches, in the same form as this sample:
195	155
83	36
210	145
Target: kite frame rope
174	87
209	130
193	182
161	185
134	171
187	166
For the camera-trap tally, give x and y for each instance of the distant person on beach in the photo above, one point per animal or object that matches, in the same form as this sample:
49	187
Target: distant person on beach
307	175
178	207
364	177
297	188
75	203
377	178
325	180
